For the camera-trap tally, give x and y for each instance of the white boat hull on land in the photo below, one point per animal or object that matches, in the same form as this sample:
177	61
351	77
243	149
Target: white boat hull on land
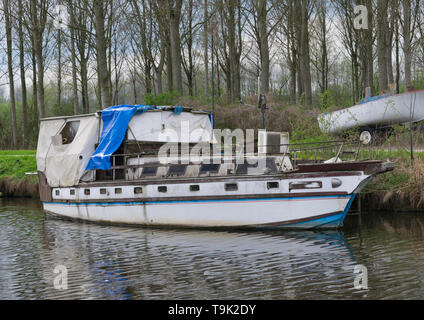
396	109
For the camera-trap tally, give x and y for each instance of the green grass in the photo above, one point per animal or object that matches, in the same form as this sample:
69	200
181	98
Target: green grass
15	165
17	152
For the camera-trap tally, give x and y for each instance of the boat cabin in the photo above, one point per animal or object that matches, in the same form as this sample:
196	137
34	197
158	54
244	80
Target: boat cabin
73	150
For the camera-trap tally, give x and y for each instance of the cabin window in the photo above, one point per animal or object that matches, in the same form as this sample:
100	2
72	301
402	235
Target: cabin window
138	190
306	185
209	168
273	185
150	171
103	191
231	187
270	166
57	192
72	192
177	170
87	192
163	189
194	187
118	190
69	131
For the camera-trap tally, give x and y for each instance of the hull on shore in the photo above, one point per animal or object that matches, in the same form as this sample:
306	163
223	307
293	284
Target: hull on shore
396	109
309	212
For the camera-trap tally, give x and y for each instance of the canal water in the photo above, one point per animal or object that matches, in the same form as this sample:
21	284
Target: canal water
109	262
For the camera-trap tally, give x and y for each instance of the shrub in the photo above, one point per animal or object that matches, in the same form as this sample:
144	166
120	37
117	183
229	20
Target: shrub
163	99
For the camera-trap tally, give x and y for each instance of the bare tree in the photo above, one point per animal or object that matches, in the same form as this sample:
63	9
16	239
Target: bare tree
22	75
8	25
102	63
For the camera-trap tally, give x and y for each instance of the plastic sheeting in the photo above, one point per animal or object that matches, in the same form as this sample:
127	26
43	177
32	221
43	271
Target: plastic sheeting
64	164
168	126
115	124
160	126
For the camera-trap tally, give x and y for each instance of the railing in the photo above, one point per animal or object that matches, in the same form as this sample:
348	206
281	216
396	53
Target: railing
327	150
313	152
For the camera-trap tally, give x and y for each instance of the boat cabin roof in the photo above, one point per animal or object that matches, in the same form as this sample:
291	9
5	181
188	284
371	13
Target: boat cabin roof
99	112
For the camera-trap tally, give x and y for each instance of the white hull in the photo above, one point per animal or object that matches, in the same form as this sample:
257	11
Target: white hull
251	206
386	111
307	212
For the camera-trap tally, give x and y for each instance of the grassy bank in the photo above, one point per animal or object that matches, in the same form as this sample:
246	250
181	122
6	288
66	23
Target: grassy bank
13	166
400	190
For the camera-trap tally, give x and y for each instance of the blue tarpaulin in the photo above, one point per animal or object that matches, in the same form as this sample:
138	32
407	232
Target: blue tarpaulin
115	125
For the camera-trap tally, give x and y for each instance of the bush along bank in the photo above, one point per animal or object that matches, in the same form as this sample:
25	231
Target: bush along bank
13	180
401	190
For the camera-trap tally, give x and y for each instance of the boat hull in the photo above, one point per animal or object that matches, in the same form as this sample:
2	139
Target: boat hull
303	212
397	109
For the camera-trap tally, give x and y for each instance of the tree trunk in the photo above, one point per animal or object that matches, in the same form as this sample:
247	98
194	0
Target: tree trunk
206	46
382	44
234	54
407	50
37	34
59	69
10	71
175	41
102	63
74	65
369	51
23	81
34	79
305	68
263	46
389	42
84	86
397	57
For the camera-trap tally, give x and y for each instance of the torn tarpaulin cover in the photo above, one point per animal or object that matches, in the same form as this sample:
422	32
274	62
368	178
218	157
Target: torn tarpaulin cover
115	124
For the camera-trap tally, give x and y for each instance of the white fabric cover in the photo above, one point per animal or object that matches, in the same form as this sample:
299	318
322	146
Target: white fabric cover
62	164
165	126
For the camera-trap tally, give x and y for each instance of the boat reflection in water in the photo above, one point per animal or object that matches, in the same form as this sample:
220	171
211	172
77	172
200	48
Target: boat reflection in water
142	263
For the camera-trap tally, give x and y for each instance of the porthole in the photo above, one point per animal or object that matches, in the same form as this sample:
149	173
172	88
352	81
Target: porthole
57	192
103	191
87	192
273	185
163	189
138	190
336	183
118	190
72	192
194	187
231	187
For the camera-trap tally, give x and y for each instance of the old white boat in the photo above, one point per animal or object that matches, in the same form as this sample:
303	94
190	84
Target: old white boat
373	112
120	166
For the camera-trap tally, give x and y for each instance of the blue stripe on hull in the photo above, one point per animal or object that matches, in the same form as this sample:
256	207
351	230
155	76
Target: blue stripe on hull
332	222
